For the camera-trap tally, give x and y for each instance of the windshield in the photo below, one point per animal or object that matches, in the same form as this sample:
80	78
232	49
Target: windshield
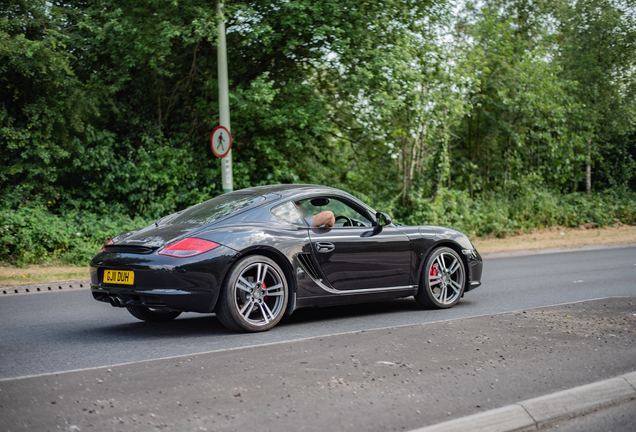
216	208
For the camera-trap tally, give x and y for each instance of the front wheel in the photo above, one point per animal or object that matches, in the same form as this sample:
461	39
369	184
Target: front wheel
443	279
254	295
155	315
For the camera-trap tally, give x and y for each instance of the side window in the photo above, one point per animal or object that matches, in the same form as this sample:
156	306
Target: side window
345	215
288	213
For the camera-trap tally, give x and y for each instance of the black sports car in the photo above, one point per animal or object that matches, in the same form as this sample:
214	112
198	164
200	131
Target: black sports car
253	256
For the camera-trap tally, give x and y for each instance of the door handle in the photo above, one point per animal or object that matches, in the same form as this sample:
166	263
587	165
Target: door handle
324	247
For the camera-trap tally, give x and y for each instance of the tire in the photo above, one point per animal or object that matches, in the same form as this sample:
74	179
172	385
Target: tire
155	315
443	279
254	295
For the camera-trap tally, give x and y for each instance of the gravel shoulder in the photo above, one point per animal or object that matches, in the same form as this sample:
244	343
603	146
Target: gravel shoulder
398	378
556	237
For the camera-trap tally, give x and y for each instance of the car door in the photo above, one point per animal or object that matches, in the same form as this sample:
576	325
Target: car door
359	257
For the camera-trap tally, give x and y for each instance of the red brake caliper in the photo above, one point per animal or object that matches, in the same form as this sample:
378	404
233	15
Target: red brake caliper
264	286
433	270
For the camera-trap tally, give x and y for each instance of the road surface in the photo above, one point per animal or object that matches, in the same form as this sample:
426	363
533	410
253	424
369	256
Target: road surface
504	342
59	331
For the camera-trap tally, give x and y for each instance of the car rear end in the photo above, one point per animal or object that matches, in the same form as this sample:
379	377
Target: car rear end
171	264
147	276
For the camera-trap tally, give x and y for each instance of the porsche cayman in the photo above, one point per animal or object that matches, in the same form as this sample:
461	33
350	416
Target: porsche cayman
253	256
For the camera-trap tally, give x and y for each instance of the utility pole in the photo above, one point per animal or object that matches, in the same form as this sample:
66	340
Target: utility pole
224	99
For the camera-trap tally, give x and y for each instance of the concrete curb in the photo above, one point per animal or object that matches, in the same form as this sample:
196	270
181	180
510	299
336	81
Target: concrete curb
535	414
45	287
526	252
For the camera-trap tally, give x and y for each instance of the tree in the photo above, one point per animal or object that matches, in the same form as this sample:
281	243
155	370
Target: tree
43	104
599	53
518	124
108	106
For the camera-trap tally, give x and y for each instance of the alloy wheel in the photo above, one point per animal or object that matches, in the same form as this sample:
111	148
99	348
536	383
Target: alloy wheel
446	278
259	294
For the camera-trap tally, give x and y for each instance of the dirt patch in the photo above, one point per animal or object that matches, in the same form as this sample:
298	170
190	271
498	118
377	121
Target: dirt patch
554	237
577	319
12	276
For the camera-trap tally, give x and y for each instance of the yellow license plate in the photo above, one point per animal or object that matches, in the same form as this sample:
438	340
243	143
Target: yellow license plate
123	277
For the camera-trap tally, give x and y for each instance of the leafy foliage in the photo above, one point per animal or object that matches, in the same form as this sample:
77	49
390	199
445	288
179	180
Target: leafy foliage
522	209
501	111
34	235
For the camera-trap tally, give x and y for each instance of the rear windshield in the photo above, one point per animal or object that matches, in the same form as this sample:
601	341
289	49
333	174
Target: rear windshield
216	208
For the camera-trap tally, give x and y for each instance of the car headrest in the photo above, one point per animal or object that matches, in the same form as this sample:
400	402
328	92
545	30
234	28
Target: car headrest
319	202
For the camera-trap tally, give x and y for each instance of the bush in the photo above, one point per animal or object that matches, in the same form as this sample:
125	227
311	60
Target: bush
32	234
523	209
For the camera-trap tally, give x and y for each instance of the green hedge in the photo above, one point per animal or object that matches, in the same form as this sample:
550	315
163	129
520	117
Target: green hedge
32	234
519	210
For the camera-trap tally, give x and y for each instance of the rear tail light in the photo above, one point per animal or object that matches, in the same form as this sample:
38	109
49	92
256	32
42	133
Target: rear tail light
108	243
188	247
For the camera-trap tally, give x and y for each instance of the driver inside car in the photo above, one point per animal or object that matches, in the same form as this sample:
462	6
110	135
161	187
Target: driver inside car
323	219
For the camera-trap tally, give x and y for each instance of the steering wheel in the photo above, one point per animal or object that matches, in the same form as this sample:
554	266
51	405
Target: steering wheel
347	219
357	223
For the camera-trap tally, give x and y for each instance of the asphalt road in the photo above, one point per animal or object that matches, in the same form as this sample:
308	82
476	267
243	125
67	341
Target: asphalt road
61	331
398	378
531	330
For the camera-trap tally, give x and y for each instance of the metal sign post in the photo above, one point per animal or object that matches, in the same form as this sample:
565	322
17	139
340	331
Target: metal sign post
224	100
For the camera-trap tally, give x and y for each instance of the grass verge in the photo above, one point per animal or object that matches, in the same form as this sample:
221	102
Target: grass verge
35	274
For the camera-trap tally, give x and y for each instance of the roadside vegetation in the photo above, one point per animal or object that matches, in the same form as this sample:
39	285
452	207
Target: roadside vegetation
42	273
493	117
34	235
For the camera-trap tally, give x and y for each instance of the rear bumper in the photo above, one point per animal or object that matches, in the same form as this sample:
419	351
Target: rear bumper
191	301
184	284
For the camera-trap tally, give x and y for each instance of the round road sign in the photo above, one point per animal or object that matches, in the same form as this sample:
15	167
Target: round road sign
221	141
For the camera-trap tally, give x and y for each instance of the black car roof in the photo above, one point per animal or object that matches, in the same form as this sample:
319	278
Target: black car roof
284	192
288	190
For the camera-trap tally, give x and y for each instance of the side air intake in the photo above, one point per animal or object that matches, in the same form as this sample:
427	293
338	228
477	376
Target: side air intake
305	262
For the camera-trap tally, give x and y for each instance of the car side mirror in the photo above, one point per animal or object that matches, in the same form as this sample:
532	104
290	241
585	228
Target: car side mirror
383	219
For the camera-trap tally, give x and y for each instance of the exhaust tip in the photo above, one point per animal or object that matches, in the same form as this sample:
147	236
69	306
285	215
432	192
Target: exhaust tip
115	301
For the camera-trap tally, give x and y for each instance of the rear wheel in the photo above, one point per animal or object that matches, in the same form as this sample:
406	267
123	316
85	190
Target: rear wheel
442	281
254	295
155	315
